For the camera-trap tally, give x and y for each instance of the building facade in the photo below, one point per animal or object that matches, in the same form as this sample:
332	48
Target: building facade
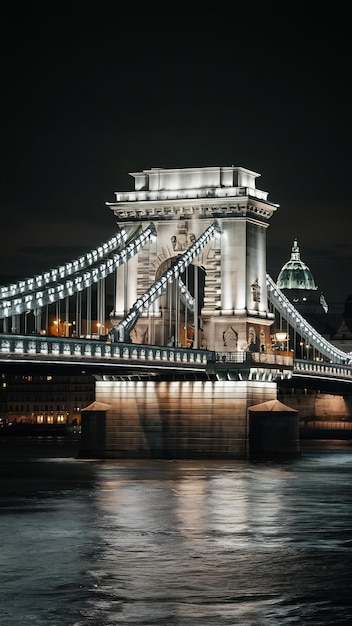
44	399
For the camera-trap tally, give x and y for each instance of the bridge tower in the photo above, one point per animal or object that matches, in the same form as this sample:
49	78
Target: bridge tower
210	225
228	277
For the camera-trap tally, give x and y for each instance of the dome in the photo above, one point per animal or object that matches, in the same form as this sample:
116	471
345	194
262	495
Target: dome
295	274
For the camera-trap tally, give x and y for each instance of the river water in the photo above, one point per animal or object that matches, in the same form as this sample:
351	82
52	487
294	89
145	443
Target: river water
174	543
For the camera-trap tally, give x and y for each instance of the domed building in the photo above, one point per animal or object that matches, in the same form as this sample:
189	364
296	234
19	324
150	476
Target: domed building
296	281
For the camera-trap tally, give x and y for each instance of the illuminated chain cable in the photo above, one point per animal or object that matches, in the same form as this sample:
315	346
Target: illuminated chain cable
300	325
100	268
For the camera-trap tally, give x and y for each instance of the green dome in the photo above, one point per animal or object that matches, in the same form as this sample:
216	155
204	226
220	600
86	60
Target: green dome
295	274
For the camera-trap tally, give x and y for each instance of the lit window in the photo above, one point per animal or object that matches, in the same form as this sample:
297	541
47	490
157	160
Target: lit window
40	419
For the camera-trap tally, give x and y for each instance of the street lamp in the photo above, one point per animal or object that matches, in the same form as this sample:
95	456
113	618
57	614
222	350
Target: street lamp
301	343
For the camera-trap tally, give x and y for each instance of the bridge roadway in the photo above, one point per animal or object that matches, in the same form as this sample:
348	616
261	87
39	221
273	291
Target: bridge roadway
135	361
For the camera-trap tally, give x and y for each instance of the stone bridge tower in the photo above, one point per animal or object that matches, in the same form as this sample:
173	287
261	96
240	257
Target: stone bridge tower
228	277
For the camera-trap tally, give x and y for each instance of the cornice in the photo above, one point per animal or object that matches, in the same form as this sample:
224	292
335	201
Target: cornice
164	210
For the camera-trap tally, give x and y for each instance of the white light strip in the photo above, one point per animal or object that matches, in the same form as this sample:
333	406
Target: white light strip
304	329
33	300
72	267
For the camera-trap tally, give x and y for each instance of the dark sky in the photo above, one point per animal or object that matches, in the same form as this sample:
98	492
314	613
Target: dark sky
89	97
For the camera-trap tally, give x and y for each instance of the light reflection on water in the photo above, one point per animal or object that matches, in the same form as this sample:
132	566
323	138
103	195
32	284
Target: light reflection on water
176	543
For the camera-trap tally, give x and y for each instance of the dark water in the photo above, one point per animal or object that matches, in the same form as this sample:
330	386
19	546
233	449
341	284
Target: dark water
174	543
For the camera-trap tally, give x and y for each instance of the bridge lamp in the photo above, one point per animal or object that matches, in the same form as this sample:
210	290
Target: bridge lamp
301	343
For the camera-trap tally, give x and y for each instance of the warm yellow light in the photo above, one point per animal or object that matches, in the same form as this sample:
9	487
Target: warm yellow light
281	336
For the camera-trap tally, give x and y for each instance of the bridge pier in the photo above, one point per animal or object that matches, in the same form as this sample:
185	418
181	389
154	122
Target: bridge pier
172	418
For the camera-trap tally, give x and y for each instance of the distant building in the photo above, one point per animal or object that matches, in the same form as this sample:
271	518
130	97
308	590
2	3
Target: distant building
44	399
343	338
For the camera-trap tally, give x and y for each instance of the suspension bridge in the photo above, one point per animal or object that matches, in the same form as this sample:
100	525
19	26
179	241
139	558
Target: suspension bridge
179	294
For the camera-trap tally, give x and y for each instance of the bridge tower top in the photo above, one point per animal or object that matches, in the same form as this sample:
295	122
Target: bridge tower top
158	178
159	184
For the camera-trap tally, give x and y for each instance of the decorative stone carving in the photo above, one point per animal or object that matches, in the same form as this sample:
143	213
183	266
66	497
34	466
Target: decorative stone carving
255	287
230	339
182	240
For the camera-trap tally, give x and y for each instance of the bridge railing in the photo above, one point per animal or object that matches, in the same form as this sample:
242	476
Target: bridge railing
35	345
253	357
23	346
322	368
48	348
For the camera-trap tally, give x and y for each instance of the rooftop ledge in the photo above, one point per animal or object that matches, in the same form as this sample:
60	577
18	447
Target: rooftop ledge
188	194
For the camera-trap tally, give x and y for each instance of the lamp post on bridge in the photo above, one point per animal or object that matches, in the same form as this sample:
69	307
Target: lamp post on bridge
100	329
301	343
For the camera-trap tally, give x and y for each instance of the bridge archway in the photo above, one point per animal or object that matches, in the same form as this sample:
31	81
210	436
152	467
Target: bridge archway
178	319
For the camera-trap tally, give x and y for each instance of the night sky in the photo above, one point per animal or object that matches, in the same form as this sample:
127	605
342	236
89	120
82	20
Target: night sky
89	97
